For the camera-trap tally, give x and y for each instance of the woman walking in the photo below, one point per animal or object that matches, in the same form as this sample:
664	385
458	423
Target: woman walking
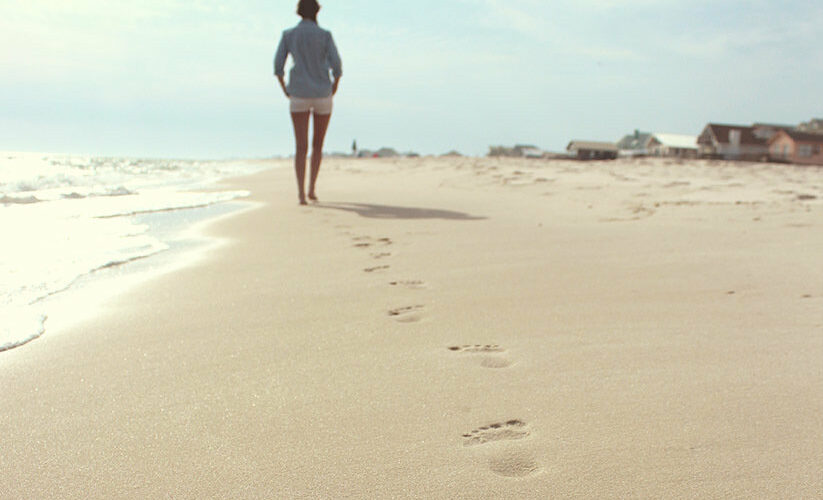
310	89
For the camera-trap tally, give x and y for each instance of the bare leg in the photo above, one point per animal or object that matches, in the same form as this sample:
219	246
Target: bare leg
321	124
301	142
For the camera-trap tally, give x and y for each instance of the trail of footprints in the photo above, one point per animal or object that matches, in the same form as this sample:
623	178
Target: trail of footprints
367	242
498	443
406	314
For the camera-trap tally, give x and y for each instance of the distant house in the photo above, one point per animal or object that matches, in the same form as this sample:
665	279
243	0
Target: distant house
588	150
634	144
815	126
768	130
732	142
380	153
797	147
500	151
519	150
532	152
672	145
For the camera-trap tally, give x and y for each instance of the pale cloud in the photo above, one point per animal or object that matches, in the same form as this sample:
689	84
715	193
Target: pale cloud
613	54
126	47
765	34
555	27
583	27
525	17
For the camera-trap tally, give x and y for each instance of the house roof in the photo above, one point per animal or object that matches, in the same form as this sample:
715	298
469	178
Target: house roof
721	134
801	136
635	141
679	141
813	124
774	126
592	145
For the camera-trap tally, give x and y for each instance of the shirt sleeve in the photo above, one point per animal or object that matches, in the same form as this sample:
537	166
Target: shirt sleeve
280	56
334	59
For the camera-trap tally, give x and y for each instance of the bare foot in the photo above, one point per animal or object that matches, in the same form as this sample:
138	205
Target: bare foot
303	201
312	197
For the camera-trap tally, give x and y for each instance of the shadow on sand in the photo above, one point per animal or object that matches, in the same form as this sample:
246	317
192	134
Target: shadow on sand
394	212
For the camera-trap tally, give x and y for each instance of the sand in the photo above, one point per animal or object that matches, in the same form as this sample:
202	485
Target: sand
453	328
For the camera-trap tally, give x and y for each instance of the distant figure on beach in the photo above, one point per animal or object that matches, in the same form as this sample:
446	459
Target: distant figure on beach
354	148
310	89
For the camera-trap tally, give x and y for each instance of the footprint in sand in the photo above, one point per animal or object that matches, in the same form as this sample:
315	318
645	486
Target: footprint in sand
376	269
513	463
639	212
491	355
506	459
495	362
380	255
407	314
409	283
368	241
509	430
477	348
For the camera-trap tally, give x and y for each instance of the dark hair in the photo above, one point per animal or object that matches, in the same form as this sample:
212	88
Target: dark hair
307	9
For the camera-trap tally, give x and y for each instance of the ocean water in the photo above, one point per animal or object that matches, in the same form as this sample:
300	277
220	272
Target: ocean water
67	221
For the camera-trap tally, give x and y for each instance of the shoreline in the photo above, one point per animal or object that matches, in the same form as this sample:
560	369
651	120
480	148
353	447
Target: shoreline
184	233
71	220
453	327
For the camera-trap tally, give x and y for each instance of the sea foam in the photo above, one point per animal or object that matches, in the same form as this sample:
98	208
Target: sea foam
64	218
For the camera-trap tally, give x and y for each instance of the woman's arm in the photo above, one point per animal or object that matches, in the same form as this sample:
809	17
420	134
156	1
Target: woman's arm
283	84
280	62
335	63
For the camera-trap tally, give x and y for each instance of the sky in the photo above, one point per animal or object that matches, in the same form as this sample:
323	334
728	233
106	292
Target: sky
193	78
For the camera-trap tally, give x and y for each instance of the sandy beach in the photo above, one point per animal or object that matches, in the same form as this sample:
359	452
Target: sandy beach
453	328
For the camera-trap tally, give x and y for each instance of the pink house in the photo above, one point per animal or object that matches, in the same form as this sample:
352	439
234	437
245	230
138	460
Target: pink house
797	147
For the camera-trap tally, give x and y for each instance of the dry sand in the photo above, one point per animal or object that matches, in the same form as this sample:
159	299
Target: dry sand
453	328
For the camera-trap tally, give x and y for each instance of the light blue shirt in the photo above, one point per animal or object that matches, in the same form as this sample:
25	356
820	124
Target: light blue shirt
314	54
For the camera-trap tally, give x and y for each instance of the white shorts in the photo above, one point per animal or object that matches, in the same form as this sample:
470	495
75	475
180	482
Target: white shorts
320	105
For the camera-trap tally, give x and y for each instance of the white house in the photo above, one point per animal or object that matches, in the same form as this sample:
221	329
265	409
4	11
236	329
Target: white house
675	145
732	142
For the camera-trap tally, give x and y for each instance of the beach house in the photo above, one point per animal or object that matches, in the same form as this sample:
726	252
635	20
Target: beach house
634	144
797	147
590	150
815	126
732	142
768	130
518	151
672	145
